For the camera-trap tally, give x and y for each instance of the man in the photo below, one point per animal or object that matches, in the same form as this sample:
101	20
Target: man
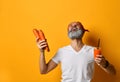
77	59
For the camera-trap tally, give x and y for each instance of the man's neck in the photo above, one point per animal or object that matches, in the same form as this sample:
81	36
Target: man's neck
77	44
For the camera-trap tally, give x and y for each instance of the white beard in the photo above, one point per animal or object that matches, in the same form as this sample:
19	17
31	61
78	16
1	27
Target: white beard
75	34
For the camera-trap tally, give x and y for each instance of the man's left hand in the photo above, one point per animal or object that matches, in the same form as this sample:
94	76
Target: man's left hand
100	60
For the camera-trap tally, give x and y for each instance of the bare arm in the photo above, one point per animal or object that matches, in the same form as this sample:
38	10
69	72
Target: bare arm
44	67
105	65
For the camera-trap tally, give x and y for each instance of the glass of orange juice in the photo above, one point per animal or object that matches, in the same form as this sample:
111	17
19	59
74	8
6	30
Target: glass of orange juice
97	51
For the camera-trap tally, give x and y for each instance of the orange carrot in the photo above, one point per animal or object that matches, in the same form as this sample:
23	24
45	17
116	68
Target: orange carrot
42	37
36	33
39	34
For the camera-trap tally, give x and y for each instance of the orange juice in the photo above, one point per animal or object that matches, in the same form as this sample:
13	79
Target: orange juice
97	51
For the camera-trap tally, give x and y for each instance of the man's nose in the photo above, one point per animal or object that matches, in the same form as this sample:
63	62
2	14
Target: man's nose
74	25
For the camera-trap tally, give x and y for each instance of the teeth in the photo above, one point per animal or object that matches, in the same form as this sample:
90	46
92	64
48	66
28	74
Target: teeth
74	28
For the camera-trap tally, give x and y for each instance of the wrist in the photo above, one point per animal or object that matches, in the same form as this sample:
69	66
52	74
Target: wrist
106	64
42	52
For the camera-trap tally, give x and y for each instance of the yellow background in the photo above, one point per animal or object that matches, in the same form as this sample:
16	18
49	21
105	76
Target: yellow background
19	55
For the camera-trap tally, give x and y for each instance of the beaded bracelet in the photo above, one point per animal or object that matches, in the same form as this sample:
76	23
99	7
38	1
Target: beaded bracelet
106	64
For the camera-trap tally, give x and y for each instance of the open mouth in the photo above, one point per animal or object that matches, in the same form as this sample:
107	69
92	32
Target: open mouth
74	29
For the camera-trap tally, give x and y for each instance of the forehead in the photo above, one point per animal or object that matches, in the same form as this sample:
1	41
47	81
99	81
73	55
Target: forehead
74	23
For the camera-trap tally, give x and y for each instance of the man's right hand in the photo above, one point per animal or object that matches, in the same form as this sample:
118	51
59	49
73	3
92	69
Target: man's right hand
41	44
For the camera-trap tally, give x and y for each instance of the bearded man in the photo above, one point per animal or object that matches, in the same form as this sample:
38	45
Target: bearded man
77	58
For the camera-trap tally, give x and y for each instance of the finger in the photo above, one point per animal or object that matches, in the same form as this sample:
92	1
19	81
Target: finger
99	56
98	62
99	59
42	47
37	39
41	41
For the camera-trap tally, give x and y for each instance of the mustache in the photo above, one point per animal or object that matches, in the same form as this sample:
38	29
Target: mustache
76	35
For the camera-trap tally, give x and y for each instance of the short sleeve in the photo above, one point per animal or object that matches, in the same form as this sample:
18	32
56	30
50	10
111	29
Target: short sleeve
57	57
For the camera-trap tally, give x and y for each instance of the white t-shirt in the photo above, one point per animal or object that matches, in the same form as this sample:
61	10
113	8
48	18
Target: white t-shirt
76	66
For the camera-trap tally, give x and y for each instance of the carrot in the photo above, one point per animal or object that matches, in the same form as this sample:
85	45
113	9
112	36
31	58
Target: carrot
39	34
42	37
36	33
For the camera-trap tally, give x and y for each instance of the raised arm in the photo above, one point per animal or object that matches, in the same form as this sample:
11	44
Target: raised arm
44	67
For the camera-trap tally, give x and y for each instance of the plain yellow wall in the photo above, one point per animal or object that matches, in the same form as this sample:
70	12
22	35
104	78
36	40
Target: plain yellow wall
19	55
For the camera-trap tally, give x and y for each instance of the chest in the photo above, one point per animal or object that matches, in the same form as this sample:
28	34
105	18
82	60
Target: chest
77	59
